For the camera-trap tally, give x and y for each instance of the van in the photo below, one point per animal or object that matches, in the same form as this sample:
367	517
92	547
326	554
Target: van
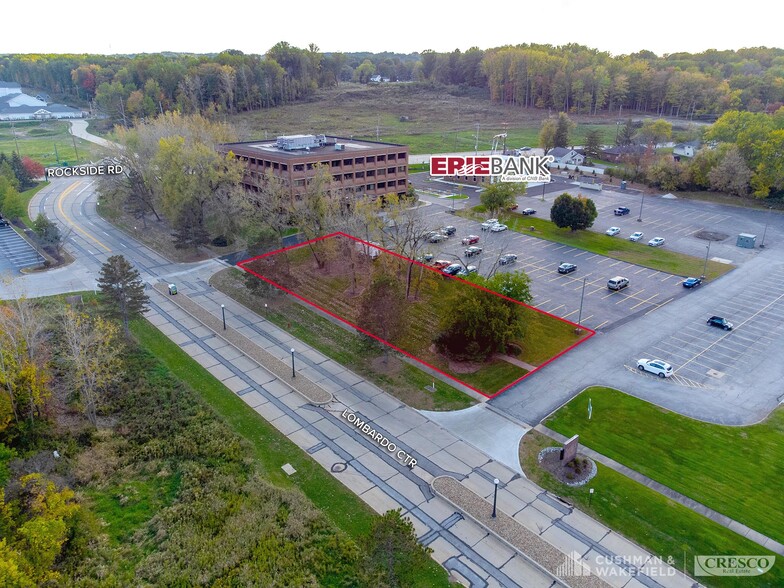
617	283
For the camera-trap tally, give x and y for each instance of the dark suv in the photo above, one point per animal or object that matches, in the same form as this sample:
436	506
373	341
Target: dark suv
721	322
621	210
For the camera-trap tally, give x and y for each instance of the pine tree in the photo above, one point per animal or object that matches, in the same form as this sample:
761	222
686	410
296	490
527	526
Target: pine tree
189	231
122	290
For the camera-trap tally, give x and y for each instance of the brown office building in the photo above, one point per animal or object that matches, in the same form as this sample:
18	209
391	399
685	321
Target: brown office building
365	168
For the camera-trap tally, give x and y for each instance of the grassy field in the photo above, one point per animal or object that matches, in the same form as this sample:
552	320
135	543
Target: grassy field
655	522
657	258
398	378
28	195
427	119
334	288
737	471
46	141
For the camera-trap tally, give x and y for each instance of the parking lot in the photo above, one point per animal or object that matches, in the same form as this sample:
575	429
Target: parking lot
15	252
702	355
560	294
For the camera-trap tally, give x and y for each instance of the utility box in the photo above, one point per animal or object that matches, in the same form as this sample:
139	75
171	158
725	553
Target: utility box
746	241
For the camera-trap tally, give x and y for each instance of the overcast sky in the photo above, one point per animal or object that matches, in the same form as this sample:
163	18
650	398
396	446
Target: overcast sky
402	26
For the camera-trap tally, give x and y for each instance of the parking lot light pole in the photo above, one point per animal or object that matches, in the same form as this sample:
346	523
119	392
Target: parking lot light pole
542	191
582	296
705	265
765	232
223	311
639	218
293	373
495	494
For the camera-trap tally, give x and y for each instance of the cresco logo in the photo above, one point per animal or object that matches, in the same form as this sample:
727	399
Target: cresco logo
732	565
533	168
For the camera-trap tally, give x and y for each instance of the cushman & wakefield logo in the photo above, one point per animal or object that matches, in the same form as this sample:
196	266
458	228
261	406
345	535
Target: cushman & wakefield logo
732	565
532	168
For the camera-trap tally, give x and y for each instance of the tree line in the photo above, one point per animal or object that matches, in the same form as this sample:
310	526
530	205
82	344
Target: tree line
570	78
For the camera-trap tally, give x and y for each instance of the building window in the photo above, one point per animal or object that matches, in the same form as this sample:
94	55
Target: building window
370	187
401	169
382	185
401	155
371	173
390	170
336	177
275	165
348	162
401	182
284	167
391	157
299	167
336	163
359	160
299	183
309	166
371	159
360	175
382	157
348	176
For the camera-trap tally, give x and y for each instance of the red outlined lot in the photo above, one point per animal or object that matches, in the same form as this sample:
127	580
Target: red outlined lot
270	259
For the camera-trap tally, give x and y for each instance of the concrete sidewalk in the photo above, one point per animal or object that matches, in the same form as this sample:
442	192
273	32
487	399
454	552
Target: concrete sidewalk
465	547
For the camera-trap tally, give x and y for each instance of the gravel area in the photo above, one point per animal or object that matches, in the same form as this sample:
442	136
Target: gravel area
272	364
510	531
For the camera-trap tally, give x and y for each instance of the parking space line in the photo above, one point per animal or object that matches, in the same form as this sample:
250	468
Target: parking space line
552	310
644	301
600	325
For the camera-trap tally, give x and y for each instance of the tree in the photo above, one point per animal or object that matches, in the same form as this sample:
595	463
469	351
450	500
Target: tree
576	213
91	356
47	232
382	308
731	175
547	134
627	134
501	195
394	550
654	132
593	144
34	169
13	204
122	290
563	127
514	285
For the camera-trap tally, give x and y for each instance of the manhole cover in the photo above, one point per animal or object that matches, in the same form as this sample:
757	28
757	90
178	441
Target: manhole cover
711	235
339	467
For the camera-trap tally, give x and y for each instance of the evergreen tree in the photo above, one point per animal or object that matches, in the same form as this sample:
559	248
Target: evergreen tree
189	231
394	550
21	173
48	233
562	130
593	144
122	290
627	134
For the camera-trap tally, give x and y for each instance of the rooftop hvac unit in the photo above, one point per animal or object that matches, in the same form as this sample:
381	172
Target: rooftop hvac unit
340	147
297	142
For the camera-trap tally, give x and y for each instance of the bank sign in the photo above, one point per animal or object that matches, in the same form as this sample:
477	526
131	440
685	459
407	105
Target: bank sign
533	168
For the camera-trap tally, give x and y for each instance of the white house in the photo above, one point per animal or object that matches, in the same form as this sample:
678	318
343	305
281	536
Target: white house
688	149
561	155
15	105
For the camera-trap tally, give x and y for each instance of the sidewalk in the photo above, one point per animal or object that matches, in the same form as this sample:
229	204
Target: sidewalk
466	548
697	507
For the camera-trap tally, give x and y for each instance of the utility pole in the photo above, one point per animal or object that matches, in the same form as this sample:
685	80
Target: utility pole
13	130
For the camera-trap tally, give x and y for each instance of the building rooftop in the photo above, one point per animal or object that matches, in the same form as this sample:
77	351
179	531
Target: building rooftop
268	147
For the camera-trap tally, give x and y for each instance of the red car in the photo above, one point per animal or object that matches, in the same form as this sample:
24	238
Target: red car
470	240
441	264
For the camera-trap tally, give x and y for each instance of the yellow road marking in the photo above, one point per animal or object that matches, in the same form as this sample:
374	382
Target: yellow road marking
60	198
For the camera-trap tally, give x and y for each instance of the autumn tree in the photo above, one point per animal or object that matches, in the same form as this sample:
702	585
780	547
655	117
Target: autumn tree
656	131
577	213
501	195
382	307
320	211
731	175
666	173
122	290
547	134
34	169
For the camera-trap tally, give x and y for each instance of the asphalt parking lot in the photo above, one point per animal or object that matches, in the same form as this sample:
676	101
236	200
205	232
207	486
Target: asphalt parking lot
560	294
15	252
702	355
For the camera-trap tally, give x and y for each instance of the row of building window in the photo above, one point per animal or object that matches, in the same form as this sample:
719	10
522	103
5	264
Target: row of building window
299	167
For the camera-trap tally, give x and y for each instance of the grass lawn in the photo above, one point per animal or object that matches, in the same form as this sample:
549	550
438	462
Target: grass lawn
338	288
404	381
655	522
28	195
737	471
271	449
638	253
728	200
45	141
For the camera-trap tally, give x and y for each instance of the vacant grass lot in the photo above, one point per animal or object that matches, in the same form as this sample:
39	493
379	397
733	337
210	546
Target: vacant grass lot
45	141
405	382
737	471
338	288
655	522
658	258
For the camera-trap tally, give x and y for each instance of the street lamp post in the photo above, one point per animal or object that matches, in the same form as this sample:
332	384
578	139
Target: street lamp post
293	373
590	496
617	128
765	232
495	494
705	265
223	312
642	201
582	296
542	191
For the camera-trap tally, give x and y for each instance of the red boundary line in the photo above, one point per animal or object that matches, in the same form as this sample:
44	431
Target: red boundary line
243	263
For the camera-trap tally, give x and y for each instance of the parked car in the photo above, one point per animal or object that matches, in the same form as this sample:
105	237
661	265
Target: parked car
655	366
452	269
612	231
491	222
470	240
469	269
441	264
507	258
528	211
449	230
498	228
617	283
514	206
566	268
656	242
692	282
472	251
425	258
621	210
636	236
436	238
4	223
721	322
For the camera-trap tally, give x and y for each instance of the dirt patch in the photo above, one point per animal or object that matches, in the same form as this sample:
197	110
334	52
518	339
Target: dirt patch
711	236
574	473
391	367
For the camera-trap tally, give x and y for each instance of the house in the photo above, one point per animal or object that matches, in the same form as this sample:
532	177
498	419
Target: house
16	105
616	154
688	149
562	155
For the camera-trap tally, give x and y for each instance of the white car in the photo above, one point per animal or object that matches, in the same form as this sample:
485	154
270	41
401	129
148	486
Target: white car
612	231
655	366
636	236
656	242
498	228
489	223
